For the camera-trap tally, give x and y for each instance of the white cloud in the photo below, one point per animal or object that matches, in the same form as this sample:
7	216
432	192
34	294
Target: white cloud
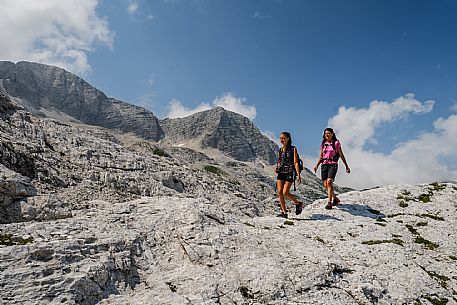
357	126
178	110
133	7
422	159
228	101
259	16
151	80
271	135
147	101
454	107
54	32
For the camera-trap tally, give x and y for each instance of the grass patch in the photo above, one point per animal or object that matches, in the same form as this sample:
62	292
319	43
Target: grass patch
437	300
9	240
412	229
396	235
439	278
434	217
424	198
214	169
403	204
422	224
159	152
289	222
172	287
396	241
420	240
341	270
430	245
437	186
380	224
453	257
320	240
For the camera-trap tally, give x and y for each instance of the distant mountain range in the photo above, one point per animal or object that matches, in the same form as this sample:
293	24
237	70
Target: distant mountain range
53	92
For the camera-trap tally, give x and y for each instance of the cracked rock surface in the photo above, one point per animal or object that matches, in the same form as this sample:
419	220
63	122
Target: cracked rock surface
89	216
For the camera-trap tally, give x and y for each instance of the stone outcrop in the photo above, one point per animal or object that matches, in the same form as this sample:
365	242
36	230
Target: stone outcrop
229	132
47	89
371	249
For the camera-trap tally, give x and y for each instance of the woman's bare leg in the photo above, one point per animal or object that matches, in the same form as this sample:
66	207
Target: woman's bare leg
287	194
282	201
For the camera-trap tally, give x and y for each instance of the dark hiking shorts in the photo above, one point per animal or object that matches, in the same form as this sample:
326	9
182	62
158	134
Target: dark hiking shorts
328	171
286	177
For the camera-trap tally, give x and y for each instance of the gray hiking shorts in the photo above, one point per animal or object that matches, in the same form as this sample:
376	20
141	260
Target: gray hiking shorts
328	171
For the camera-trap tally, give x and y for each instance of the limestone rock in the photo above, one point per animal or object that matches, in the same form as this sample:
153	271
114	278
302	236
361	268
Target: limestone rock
13	189
169	250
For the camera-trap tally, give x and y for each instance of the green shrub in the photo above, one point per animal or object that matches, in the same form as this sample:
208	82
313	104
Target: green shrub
424	198
430	245
214	169
396	241
437	186
437	300
9	240
403	204
434	217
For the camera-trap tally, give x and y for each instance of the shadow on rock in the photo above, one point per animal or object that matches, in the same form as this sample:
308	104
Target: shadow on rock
361	210
320	217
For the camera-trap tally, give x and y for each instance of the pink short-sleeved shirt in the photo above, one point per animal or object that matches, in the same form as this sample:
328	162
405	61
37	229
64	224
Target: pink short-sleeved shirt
329	152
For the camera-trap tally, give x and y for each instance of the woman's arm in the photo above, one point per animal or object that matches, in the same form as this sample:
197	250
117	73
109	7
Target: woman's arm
321	155
278	164
343	158
296	163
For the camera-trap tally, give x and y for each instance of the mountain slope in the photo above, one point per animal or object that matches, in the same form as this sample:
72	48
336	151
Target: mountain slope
227	131
48	90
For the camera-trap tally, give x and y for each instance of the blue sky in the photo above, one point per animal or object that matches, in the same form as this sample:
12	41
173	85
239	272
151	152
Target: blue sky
292	65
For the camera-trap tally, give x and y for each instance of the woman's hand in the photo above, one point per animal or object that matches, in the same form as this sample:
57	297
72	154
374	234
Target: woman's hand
315	168
299	179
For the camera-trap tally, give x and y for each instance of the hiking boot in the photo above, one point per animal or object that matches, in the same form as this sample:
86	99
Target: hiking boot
298	208
283	215
336	201
328	206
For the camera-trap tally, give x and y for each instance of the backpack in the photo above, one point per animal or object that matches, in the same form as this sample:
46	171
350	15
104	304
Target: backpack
300	168
336	156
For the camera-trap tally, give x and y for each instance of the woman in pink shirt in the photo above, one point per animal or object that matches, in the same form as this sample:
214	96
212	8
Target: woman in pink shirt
330	152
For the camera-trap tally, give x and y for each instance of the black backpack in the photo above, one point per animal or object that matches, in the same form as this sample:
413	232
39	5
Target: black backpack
300	167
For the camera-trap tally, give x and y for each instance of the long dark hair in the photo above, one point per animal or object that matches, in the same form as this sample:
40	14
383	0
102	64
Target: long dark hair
333	137
287	134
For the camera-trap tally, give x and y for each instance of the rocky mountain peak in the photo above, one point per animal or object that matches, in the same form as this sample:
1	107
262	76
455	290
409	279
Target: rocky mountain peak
54	92
227	131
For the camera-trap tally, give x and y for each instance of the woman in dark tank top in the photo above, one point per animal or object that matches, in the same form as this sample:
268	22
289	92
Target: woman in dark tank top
286	168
